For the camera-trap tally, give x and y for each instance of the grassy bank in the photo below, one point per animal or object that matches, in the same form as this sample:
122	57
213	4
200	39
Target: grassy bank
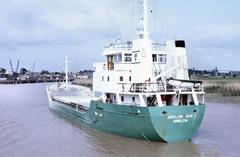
222	86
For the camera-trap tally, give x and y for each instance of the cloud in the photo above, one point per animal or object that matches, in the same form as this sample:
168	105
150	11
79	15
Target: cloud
46	30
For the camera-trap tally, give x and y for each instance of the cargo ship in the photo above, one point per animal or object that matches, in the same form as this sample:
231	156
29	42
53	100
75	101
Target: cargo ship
142	90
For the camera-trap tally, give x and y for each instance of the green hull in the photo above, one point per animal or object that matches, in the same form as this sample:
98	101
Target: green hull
167	124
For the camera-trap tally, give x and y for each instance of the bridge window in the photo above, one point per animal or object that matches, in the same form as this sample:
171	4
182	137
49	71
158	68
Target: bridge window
162	58
128	57
108	78
130	78
154	58
117	58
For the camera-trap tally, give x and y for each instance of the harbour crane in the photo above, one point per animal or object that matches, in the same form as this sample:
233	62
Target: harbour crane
14	73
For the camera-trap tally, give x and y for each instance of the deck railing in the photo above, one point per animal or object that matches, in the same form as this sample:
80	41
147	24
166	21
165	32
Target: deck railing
158	47
120	46
158	87
127	46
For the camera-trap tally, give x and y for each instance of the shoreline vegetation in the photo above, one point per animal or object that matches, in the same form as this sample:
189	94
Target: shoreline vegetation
218	86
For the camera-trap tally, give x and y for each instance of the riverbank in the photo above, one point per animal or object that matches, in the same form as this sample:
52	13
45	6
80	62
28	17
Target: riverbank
28	81
221	86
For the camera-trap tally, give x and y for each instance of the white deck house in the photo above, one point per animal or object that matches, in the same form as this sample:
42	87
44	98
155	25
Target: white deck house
141	72
135	73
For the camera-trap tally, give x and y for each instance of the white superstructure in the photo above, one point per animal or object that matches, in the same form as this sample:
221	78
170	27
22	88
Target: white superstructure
142	72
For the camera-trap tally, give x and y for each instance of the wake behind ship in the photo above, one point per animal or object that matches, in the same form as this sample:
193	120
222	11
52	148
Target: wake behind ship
142	90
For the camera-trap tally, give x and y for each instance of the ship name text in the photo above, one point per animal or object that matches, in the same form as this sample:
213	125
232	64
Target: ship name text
180	118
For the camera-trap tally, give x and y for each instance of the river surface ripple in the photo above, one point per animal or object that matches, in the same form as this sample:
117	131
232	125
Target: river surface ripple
29	128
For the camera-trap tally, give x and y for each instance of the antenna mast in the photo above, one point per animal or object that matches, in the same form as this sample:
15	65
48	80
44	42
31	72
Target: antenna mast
145	19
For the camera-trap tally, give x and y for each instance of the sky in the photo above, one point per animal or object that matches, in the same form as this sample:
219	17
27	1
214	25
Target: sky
45	31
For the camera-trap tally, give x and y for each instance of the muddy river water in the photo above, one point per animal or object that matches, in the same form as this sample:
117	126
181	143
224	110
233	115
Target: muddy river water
29	128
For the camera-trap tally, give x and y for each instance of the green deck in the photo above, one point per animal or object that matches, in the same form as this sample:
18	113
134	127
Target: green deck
167	124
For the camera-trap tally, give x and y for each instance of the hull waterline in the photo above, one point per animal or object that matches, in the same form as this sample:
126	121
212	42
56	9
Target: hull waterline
166	124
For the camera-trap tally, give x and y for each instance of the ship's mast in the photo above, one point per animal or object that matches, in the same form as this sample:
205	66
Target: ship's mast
66	72
145	19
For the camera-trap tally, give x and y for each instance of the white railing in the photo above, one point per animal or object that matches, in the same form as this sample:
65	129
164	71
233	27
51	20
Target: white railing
158	87
127	46
123	46
158	47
